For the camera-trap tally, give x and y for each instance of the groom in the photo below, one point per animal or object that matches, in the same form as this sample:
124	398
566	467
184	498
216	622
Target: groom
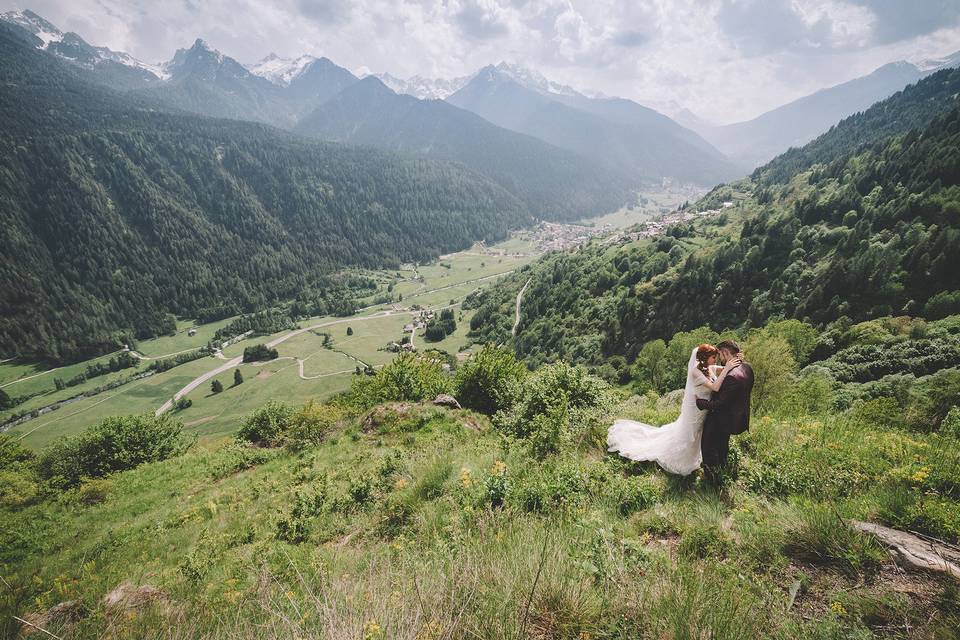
729	411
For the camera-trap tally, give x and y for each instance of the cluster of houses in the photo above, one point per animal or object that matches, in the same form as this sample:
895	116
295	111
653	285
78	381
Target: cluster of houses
659	226
553	236
419	321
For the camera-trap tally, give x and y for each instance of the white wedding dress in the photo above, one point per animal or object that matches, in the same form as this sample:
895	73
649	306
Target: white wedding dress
675	446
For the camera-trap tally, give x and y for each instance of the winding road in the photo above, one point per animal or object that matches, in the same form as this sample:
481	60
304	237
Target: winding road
516	321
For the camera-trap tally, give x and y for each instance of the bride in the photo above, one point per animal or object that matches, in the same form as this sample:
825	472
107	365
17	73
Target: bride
675	446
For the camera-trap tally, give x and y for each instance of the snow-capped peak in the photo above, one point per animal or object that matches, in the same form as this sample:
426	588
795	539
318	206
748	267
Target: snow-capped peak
534	80
36	25
65	45
424	88
281	71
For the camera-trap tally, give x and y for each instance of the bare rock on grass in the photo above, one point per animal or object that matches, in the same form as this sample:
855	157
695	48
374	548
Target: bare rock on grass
446	400
917	552
55	616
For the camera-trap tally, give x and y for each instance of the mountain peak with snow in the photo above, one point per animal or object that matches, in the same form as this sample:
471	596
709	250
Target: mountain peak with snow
281	71
532	79
70	46
35	24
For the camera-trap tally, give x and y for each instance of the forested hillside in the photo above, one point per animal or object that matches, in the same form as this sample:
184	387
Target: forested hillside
864	234
115	215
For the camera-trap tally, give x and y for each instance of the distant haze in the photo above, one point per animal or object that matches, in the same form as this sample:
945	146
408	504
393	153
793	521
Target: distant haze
724	60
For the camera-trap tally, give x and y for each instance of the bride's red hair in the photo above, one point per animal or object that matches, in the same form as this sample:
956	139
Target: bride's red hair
704	352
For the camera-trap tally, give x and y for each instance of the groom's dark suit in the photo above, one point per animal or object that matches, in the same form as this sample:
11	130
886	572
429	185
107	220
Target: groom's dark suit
729	414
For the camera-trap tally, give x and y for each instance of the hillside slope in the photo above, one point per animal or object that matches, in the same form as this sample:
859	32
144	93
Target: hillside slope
870	232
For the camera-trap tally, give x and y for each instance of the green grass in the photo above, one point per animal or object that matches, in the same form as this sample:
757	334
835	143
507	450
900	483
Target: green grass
164	345
142	396
396	538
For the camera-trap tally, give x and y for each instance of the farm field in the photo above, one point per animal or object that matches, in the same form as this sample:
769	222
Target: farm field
305	369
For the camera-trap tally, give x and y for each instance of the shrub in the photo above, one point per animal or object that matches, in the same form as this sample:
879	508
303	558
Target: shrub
557	485
93	491
259	352
557	391
17	488
236	457
633	494
294	527
771	358
216	386
490	380
951	423
409	377
312	424
267	425
116	444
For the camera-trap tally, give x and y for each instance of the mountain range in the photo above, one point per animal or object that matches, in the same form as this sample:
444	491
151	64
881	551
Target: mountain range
286	92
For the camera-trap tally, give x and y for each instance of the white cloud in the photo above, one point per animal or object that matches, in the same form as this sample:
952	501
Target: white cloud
723	59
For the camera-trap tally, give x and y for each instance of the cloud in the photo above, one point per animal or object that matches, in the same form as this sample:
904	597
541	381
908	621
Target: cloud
898	20
481	19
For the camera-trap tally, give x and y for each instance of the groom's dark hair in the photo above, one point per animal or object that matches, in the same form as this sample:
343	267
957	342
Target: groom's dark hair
729	345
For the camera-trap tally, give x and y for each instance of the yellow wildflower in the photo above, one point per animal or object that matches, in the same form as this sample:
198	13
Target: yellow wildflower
465	478
838	609
499	468
372	631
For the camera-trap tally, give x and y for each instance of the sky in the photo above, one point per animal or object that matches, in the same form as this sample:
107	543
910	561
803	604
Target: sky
724	60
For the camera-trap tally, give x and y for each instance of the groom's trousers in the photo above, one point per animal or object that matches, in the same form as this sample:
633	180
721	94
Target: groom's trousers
714	446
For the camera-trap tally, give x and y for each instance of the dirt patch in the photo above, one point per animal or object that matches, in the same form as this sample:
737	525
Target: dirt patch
129	597
56	616
264	374
194	423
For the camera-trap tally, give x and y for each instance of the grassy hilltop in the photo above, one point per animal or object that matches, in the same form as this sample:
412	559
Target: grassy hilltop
381	515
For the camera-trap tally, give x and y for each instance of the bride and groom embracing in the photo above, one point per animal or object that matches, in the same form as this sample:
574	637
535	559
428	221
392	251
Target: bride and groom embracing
716	405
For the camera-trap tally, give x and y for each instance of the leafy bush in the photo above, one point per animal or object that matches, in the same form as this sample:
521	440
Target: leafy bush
115	444
633	494
554	486
312	424
490	380
409	376
259	352
771	358
267	425
559	391
18	488
236	457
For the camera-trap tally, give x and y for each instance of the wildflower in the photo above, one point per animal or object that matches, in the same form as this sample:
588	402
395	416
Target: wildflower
499	468
465	478
838	609
372	631
400	484
920	475
468	509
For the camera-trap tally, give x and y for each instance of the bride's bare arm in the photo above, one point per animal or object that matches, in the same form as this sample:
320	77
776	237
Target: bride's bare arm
714	385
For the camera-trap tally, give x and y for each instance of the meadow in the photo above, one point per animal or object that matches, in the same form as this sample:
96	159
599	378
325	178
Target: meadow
401	519
325	372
